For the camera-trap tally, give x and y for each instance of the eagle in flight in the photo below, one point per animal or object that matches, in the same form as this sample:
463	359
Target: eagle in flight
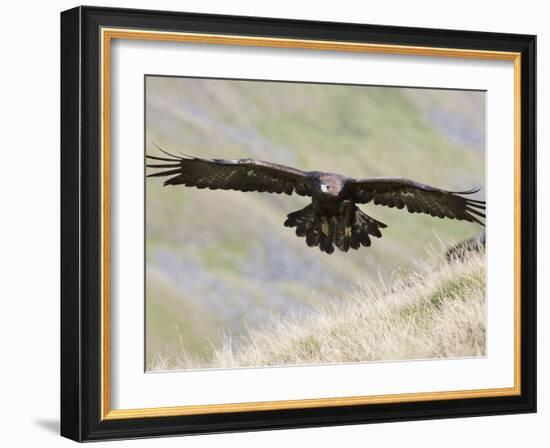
332	218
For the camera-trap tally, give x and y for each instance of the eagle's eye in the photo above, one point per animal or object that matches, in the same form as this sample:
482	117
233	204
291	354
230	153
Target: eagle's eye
324	188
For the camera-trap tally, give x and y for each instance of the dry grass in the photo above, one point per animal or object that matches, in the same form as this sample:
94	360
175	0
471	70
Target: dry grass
437	311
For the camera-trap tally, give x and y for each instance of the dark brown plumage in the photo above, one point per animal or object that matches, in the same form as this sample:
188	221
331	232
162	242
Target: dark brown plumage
332	218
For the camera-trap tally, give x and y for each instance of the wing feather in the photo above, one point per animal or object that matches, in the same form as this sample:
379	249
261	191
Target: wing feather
239	174
417	198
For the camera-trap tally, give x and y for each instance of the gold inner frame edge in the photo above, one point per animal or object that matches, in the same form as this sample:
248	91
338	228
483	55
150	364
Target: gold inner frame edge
107	35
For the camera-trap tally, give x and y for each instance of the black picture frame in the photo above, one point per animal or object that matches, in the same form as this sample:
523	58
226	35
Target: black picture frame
81	382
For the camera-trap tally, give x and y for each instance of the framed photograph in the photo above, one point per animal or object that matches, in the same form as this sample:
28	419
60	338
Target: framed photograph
273	223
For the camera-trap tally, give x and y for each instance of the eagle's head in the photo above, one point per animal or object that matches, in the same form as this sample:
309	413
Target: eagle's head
331	185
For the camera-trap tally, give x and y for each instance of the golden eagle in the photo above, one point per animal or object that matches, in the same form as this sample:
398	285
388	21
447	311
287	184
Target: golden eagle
332	218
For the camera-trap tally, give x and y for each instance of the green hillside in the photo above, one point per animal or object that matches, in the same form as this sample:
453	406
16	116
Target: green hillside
435	311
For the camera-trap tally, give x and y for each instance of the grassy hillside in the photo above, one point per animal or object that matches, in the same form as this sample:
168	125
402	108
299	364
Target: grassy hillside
221	261
435	311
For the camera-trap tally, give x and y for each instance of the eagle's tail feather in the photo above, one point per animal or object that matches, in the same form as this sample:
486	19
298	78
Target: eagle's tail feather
329	231
301	219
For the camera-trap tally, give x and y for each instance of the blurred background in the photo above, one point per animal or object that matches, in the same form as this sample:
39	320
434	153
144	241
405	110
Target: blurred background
219	262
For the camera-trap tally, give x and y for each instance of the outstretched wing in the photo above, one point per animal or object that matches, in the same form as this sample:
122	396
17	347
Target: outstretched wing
240	174
417	198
